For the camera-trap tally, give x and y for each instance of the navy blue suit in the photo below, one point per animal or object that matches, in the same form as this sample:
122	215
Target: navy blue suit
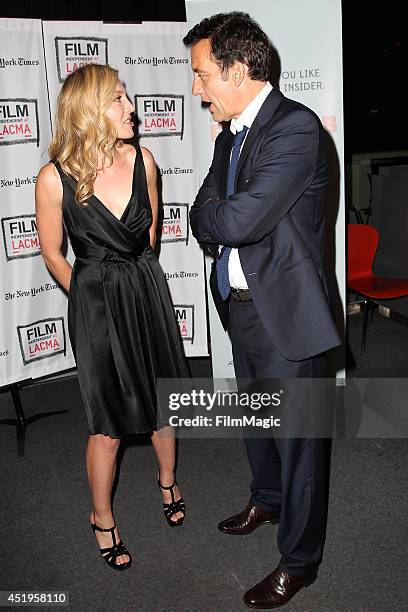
276	220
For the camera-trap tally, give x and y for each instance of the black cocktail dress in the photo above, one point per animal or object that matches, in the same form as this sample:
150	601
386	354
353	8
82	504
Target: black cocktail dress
121	321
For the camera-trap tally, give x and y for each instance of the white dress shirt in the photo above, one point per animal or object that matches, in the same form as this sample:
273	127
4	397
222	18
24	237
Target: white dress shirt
236	275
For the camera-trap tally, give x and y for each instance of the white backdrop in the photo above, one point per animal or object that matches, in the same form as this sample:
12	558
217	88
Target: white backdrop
33	327
307	37
154	64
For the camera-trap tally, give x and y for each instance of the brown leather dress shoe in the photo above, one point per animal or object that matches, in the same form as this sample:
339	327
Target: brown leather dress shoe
276	590
247	521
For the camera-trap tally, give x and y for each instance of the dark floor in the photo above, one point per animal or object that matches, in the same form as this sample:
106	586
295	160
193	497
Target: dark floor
47	544
386	354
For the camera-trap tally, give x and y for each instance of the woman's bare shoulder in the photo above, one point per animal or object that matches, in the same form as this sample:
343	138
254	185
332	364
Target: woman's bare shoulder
48	184
148	158
48	175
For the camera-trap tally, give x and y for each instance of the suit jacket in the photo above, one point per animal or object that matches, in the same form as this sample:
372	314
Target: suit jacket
276	220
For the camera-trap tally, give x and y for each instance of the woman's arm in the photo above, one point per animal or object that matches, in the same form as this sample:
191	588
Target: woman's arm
48	206
151	175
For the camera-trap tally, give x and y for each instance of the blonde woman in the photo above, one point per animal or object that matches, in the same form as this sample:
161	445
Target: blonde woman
121	321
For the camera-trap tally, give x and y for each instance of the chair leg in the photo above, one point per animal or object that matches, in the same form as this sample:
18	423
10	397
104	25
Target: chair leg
367	308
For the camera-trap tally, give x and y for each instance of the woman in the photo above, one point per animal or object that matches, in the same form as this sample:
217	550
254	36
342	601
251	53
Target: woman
121	321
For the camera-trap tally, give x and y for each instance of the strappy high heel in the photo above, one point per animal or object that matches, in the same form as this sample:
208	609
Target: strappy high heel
113	552
176	506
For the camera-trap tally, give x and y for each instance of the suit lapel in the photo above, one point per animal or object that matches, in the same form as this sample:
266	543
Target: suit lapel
264	115
249	140
223	165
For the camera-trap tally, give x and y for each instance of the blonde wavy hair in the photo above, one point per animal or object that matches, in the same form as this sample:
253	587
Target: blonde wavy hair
82	131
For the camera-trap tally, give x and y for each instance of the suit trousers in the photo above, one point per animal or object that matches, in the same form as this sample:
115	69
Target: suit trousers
290	475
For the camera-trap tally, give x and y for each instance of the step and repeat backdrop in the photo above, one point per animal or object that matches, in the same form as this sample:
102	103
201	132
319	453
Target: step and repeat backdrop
308	39
35	58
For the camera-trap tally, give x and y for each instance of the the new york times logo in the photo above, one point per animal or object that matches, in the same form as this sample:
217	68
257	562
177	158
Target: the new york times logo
20	237
75	51
160	114
42	339
18	61
185	319
173	223
19	121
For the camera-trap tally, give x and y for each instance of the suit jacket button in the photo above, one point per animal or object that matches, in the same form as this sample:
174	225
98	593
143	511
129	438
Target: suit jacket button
206	237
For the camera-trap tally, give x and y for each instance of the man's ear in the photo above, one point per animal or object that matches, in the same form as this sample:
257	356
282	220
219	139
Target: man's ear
238	73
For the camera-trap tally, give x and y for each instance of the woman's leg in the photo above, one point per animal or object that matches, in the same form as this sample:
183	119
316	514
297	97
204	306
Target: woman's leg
164	444
101	452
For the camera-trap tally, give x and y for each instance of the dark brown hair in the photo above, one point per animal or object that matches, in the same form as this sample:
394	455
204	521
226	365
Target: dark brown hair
235	37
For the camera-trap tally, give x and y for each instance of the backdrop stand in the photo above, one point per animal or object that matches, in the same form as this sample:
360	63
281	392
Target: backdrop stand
21	423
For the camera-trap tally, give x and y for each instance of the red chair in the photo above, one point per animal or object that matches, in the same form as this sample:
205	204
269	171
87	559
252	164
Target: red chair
361	249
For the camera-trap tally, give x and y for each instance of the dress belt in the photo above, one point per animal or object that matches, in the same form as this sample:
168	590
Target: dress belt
109	257
114	257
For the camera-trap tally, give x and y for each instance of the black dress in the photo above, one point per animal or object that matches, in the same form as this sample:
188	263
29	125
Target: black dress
121	321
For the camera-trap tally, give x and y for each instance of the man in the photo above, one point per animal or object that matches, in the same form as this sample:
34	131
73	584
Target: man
260	211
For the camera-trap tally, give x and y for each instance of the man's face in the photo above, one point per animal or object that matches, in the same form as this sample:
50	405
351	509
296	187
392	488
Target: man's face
210	85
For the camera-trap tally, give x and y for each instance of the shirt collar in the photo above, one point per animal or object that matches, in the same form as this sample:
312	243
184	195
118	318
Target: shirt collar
250	112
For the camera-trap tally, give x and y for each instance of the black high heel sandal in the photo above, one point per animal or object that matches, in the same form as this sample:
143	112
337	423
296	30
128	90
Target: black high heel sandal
175	506
113	552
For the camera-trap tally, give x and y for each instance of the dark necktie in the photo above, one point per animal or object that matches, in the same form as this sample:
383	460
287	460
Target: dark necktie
222	261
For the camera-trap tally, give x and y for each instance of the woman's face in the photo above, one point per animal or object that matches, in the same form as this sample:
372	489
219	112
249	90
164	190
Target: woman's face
120	112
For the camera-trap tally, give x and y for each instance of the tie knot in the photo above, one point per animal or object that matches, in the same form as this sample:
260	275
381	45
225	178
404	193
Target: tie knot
239	136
